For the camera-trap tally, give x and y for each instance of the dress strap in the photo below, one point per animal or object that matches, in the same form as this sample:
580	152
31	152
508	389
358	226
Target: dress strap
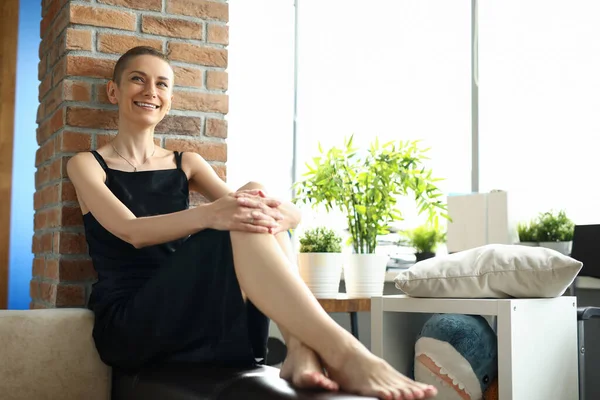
100	160
178	156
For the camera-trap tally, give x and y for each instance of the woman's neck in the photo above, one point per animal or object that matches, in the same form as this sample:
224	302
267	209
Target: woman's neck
134	144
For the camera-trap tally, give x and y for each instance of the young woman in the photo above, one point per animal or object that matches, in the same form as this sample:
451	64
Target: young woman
181	284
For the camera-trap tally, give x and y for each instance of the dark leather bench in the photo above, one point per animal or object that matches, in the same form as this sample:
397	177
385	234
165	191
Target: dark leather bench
192	382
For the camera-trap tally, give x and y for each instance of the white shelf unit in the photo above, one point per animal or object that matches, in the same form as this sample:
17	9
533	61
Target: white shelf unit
537	339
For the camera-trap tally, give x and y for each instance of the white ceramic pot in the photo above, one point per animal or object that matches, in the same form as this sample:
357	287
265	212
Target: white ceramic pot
321	272
364	274
561	247
530	244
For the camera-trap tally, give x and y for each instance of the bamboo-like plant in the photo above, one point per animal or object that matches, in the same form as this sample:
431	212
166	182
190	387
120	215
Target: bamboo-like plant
366	189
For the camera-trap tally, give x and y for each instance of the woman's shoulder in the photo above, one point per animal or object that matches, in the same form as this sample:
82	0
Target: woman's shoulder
89	156
84	161
82	158
84	167
191	158
191	162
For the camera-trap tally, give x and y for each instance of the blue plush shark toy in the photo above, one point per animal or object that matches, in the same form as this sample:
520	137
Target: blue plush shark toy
458	354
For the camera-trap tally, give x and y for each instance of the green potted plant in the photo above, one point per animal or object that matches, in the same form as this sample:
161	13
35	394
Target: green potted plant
425	239
320	261
527	231
555	231
365	187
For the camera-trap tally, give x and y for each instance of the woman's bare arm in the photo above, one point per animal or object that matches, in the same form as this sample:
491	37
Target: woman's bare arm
205	180
94	196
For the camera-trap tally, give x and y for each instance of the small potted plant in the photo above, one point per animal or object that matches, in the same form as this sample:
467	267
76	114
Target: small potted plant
365	186
555	231
425	239
320	261
528	233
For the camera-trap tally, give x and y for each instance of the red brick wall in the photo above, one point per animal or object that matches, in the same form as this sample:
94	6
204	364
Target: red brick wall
81	42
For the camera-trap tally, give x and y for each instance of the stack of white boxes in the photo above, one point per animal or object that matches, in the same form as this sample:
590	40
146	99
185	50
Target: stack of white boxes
478	219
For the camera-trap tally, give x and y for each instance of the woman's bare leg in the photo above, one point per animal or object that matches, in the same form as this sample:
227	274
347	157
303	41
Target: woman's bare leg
264	274
302	365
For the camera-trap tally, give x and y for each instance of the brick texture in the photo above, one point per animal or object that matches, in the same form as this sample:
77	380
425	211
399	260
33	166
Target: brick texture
80	43
217	33
172	27
216	80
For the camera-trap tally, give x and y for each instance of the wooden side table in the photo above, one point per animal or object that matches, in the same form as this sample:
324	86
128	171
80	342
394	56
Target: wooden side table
345	304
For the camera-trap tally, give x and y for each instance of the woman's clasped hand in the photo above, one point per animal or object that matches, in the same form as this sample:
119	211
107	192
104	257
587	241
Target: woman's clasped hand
248	211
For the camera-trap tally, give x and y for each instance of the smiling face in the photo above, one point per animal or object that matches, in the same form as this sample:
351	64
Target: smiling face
143	90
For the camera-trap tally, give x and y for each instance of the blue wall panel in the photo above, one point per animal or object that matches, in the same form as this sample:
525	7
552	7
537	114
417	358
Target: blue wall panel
25	146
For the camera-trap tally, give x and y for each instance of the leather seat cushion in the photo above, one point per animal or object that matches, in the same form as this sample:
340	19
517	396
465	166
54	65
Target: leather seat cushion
193	382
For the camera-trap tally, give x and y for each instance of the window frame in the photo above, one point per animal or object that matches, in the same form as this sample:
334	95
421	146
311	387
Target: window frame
474	98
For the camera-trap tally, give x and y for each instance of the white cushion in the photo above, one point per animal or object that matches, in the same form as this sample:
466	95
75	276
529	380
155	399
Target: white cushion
491	271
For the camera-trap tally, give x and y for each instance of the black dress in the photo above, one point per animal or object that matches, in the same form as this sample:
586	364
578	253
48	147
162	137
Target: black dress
173	302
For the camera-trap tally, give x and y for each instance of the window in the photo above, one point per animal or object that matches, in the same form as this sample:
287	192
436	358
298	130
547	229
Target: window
393	69
539	101
401	70
261	94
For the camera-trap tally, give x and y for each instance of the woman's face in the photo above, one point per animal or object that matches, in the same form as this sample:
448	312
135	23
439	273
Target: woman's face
145	90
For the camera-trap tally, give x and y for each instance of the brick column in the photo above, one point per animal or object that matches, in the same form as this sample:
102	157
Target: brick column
81	41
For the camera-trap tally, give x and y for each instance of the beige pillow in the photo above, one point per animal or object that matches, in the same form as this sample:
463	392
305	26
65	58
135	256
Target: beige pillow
491	271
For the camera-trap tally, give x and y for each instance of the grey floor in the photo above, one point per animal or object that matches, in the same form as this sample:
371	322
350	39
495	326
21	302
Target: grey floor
585	297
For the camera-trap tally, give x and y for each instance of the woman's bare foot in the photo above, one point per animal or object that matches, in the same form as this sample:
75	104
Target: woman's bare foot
359	371
303	369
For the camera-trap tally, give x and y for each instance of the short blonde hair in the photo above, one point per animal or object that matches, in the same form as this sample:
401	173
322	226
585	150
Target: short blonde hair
134	52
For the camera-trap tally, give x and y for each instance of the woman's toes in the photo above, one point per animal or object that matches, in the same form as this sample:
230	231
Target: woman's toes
385	394
417	393
308	379
397	395
430	391
423	390
407	394
316	379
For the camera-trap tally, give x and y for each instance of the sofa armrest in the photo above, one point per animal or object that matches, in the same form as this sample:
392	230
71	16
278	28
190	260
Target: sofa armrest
50	354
